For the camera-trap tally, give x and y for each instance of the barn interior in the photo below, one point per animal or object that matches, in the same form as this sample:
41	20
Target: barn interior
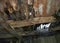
29	21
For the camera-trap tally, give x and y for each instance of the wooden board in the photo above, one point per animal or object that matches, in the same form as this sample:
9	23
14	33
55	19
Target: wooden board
34	21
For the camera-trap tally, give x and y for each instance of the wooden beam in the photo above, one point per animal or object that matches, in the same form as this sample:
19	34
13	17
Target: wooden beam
34	21
33	33
6	35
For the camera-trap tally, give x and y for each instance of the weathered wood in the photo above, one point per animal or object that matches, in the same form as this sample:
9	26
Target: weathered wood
7	27
21	34
7	35
36	20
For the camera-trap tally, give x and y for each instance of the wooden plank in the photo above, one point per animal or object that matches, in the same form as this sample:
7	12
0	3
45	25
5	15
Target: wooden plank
34	21
20	33
7	35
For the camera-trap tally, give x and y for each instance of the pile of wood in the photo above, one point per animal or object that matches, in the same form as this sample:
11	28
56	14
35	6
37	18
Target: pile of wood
21	13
